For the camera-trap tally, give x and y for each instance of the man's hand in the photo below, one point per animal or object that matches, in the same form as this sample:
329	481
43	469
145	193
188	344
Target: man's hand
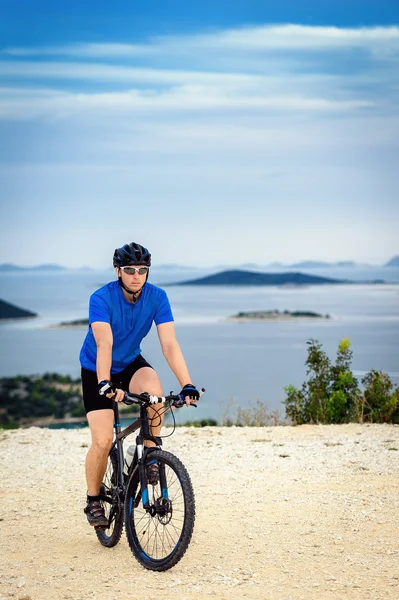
108	389
190	394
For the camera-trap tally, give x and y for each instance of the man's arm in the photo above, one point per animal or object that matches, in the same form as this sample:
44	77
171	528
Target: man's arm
103	335
172	353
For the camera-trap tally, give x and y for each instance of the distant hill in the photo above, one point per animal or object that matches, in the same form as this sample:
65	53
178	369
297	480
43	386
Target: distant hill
394	262
310	264
346	263
314	264
49	267
236	277
174	266
9	311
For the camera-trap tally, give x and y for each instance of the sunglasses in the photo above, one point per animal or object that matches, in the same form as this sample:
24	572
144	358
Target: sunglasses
132	270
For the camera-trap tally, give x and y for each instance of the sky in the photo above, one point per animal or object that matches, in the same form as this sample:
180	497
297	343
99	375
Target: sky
212	132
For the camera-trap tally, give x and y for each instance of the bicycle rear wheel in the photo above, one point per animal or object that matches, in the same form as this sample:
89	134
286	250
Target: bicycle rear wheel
159	538
113	506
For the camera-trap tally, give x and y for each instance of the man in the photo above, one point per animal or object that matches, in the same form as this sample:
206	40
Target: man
121	314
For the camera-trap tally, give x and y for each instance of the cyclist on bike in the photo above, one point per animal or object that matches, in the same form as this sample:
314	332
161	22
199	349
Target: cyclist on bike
121	314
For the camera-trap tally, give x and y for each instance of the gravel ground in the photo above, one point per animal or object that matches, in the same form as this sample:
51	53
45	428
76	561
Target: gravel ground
283	513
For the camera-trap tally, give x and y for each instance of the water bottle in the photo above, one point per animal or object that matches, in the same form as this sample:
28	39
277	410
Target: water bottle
129	458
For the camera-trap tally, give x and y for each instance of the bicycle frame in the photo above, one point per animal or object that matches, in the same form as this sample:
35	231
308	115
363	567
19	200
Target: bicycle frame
141	451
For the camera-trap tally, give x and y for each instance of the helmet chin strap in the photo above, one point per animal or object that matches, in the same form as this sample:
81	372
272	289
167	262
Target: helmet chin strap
133	294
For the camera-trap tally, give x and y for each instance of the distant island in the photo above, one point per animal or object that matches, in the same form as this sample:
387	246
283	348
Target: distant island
75	323
276	315
10	311
48	267
394	262
237	277
313	264
176	267
304	264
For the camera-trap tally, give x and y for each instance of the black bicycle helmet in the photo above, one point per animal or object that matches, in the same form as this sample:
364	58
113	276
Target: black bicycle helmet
132	254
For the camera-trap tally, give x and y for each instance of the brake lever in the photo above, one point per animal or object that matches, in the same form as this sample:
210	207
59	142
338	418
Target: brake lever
182	403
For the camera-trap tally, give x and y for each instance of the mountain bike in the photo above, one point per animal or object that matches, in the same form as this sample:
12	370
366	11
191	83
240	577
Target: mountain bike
154	499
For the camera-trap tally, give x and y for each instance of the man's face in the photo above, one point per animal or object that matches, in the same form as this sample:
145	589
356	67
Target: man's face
132	278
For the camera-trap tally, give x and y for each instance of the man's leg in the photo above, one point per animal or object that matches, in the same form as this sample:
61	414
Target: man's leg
146	380
101	424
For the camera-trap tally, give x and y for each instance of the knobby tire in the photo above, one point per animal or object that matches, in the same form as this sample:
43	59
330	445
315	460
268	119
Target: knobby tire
114	511
159	541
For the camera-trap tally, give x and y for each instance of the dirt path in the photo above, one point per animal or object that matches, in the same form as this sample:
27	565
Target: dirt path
283	513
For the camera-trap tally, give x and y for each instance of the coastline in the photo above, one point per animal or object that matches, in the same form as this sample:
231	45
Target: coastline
287	318
259	316
64	326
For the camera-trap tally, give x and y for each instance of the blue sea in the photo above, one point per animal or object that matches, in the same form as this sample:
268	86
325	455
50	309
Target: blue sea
237	363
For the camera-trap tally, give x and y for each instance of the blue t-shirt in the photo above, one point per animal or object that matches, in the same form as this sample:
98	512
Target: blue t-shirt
129	322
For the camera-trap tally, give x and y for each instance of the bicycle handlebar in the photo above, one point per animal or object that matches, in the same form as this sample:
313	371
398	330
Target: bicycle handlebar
176	400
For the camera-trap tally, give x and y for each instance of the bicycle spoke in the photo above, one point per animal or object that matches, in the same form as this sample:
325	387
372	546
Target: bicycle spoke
113	508
159	536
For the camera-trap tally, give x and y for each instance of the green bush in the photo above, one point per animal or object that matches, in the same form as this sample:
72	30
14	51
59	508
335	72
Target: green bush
201	423
318	369
380	400
332	394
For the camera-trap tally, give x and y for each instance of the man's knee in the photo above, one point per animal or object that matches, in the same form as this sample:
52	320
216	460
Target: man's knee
102	443
146	380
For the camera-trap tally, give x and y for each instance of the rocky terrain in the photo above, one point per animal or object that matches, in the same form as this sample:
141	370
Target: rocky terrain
283	513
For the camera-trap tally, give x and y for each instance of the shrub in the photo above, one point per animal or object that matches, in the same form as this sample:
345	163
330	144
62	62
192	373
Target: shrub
319	370
256	415
201	423
295	404
332	394
380	400
344	388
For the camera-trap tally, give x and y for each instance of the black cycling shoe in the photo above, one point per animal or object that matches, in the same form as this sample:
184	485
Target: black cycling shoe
95	514
153	474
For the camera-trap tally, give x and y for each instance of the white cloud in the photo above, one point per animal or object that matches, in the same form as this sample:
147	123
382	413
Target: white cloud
26	104
267	37
114	73
225	70
270	130
297	37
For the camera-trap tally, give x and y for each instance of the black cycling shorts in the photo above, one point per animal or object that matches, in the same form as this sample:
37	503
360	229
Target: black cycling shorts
92	399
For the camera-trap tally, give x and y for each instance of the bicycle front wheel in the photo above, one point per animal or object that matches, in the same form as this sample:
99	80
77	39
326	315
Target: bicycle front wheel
113	505
160	535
